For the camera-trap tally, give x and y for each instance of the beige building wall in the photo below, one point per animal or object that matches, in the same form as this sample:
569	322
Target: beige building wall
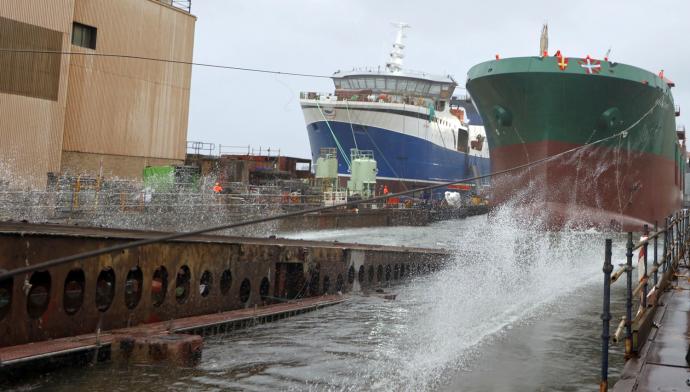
110	166
125	107
33	89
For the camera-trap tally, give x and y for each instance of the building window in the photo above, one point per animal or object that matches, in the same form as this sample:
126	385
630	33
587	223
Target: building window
83	35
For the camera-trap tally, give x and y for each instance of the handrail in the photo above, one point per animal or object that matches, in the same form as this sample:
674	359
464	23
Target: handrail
676	237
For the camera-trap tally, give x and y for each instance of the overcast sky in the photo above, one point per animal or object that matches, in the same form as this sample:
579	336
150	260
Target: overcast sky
320	37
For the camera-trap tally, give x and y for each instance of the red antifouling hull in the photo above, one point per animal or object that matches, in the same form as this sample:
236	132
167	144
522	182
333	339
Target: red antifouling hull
599	186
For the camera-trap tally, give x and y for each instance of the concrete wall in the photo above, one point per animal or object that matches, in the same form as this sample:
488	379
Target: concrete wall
31	127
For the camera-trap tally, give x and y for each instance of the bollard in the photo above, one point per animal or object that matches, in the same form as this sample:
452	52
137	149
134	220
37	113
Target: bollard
656	262
606	318
644	270
628	298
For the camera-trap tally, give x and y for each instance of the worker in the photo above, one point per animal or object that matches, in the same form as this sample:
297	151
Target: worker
217	188
385	189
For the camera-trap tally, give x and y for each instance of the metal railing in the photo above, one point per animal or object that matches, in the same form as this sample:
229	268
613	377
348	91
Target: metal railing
248	150
380	98
634	330
200	148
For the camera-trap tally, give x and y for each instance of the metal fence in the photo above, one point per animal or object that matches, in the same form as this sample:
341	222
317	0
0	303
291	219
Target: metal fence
129	204
634	330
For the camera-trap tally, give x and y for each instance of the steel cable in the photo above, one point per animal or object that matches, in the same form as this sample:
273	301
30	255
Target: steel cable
175	236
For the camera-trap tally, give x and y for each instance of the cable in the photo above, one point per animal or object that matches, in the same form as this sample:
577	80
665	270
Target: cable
131	57
175	236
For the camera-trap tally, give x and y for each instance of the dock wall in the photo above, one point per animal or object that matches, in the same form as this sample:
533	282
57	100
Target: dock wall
171	280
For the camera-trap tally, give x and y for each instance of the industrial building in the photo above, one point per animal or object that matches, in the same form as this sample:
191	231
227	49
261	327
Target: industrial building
66	111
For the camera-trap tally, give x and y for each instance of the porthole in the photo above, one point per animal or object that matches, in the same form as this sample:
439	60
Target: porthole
133	285
263	288
39	294
371	273
245	290
73	294
351	274
182	282
379	273
339	283
105	289
225	282
326	284
159	286
360	275
205	284
6	287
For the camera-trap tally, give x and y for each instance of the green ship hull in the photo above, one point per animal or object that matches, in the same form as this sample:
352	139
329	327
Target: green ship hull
537	107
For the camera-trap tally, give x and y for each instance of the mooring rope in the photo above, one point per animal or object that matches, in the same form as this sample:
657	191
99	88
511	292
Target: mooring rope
175	236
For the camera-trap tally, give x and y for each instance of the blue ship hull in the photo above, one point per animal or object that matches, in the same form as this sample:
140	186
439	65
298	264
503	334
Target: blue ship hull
398	156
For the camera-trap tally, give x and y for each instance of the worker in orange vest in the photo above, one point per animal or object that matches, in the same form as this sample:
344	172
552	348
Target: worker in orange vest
385	189
217	188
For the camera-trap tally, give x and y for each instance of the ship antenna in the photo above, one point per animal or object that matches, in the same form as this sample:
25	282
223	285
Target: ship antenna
395	62
544	41
608	54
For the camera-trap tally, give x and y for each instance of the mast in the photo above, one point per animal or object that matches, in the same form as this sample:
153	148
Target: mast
395	62
544	41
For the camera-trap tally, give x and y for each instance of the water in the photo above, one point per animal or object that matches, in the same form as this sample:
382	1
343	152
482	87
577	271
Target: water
510	313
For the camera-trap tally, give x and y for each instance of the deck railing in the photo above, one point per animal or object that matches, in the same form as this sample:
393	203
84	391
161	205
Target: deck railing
634	330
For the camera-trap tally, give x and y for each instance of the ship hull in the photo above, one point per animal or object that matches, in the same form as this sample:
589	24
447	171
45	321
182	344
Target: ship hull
533	110
408	150
603	187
